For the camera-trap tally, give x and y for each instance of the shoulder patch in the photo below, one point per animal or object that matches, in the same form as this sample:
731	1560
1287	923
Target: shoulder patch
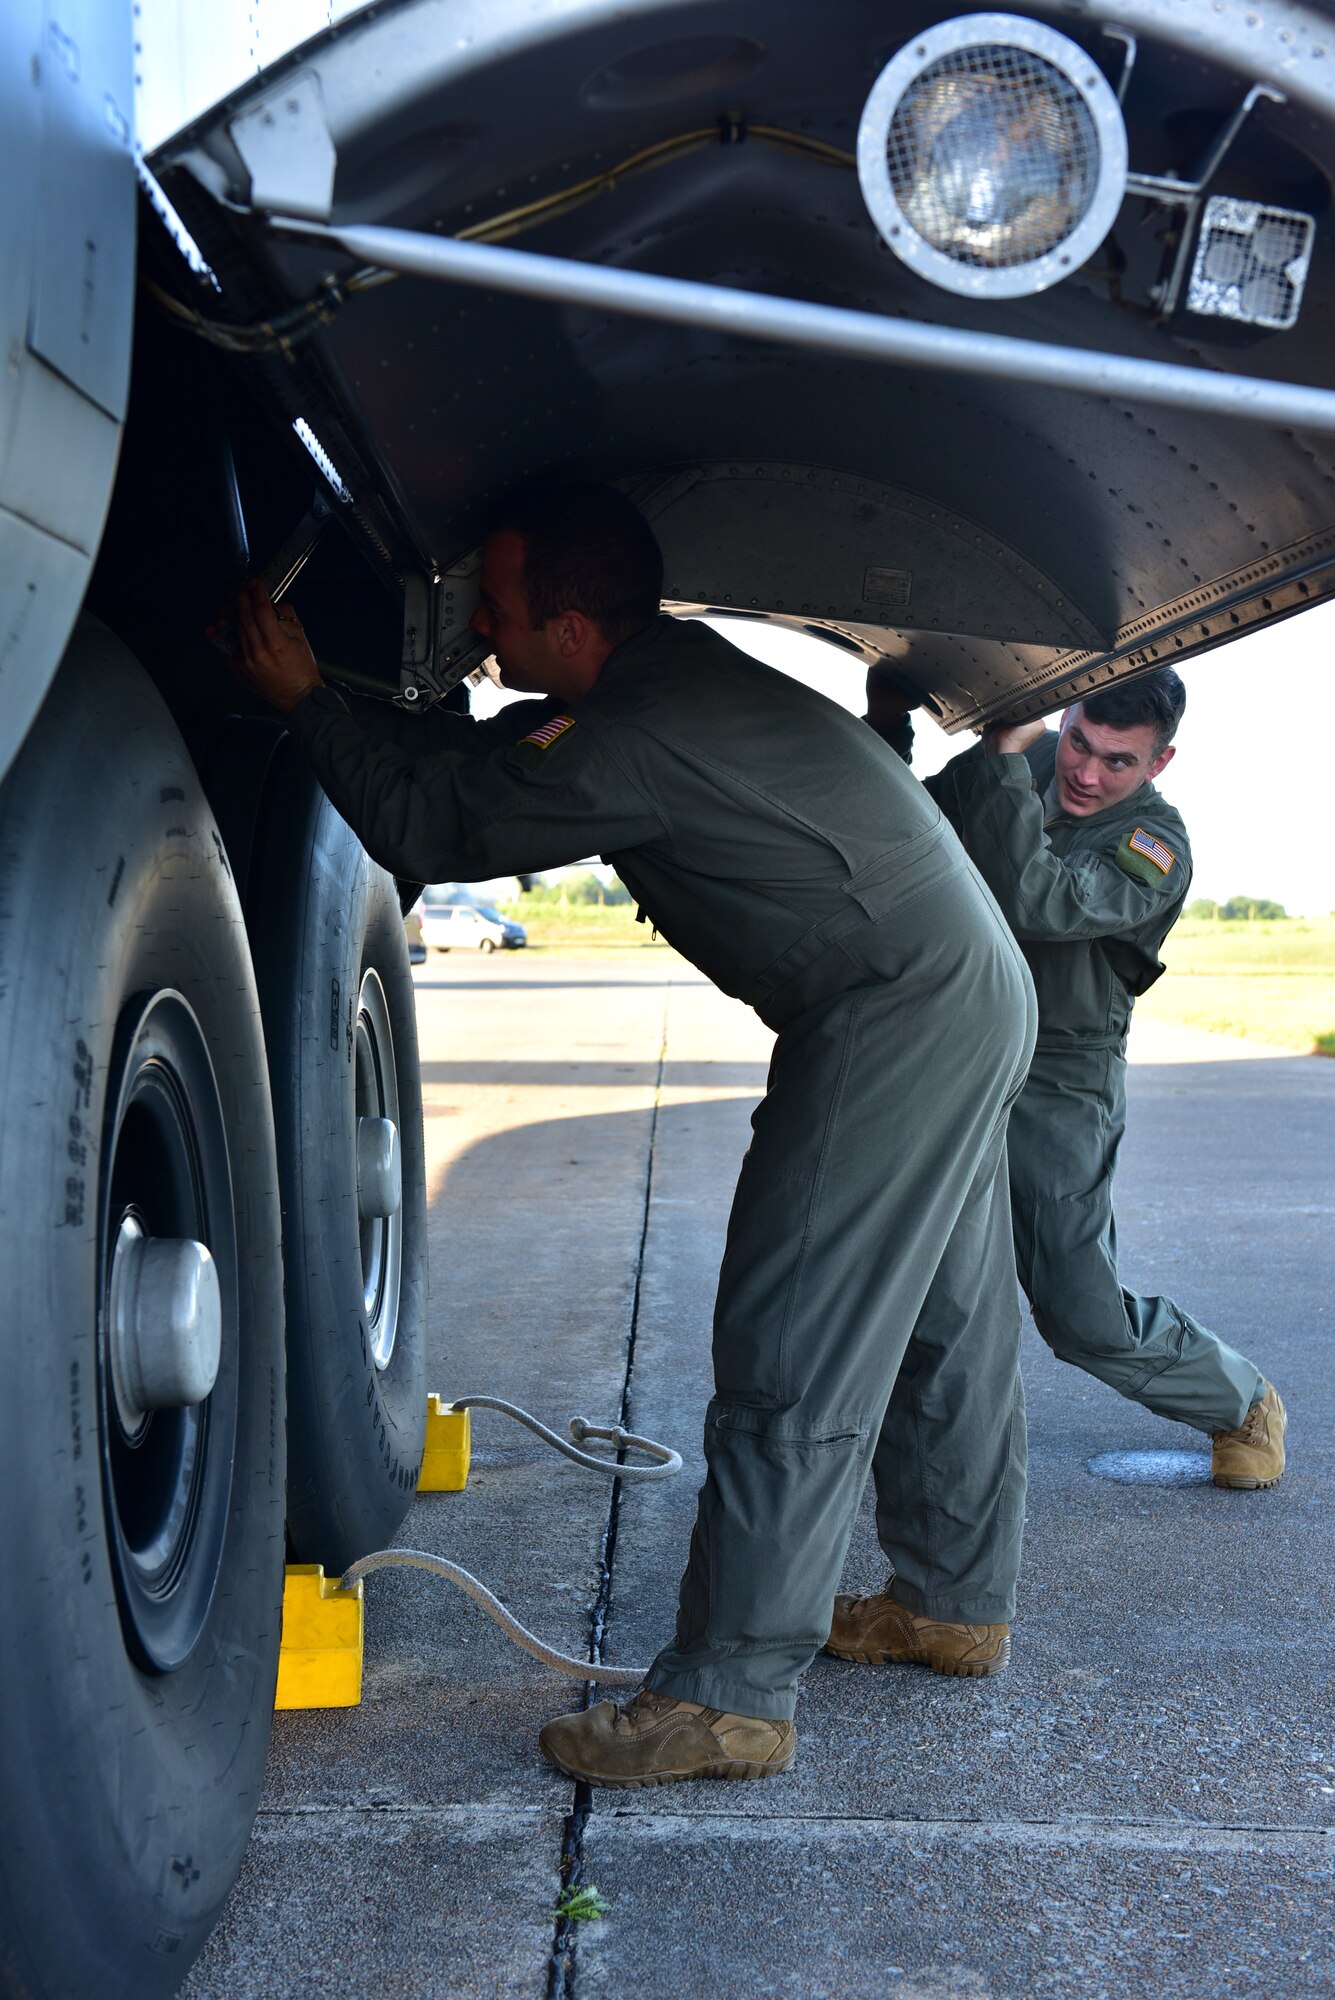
1140	854
531	749
543	738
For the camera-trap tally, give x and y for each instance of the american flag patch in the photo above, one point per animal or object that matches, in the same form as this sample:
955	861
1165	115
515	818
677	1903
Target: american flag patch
1152	849
543	739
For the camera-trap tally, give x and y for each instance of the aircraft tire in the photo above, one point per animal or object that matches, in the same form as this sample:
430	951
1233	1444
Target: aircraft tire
339	1007
143	1529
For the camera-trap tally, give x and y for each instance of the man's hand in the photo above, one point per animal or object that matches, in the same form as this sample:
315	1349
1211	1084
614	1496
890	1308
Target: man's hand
275	659
1004	738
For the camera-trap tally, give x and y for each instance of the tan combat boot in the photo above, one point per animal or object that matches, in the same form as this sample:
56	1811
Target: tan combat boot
1253	1454
876	1630
654	1740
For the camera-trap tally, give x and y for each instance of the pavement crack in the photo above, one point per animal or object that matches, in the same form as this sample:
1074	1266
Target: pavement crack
563	1962
1092	1830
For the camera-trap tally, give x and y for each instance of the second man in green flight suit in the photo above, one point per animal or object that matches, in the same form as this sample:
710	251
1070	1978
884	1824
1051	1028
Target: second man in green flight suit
1091	865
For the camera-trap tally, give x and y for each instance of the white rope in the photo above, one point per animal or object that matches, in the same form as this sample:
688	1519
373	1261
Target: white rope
565	1663
667	1463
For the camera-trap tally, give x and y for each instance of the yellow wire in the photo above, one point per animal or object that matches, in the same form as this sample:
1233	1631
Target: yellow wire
514	220
511	222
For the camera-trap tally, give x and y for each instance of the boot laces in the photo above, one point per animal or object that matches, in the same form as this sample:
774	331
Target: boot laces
643	1706
1254	1428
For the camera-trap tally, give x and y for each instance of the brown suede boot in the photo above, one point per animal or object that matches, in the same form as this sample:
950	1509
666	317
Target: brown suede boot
1253	1454
876	1630
654	1740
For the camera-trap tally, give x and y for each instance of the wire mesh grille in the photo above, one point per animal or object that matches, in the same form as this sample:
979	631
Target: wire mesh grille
1251	263
993	156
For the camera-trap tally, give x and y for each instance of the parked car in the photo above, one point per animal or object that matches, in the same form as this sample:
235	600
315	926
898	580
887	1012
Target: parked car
480	925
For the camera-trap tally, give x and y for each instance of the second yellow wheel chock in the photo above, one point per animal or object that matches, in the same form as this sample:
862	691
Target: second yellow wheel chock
448	1449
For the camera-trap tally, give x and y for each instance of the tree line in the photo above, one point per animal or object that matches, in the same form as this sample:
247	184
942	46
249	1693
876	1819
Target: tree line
1238	909
585	888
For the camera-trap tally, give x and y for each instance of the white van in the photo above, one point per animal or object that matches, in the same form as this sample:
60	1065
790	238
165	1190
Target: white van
462	925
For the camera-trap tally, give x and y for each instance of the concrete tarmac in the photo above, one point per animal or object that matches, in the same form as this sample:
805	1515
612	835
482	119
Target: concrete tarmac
1141	1808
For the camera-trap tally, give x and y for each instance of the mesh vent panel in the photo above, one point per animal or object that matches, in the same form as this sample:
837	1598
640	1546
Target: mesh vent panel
1251	263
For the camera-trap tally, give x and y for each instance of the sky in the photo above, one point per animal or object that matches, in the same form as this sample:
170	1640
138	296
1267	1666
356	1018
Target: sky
1253	778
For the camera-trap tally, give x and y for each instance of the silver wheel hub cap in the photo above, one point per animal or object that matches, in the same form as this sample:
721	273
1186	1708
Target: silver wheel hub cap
379	1169
166	1323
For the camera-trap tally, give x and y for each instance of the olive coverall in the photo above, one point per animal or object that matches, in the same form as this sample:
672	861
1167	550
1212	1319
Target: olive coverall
1090	900
788	854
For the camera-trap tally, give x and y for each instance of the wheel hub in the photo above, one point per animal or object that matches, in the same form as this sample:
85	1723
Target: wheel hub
165	1323
168	1352
379	1168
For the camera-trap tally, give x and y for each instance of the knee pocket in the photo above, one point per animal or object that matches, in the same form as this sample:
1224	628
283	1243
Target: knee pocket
782	1427
775	1511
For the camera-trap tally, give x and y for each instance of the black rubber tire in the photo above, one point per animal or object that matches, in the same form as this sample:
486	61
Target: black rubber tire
128	1793
321	915
487	944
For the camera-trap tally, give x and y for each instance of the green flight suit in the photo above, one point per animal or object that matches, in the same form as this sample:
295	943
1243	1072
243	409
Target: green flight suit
788	854
1090	901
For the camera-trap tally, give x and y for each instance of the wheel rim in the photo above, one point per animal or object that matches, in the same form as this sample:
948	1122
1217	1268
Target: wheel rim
168	1418
379	1185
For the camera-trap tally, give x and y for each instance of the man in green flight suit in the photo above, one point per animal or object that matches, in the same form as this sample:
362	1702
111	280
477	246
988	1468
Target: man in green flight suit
790	856
1090	866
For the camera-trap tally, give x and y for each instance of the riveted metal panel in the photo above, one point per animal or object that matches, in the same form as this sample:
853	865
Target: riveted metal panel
43	580
66	306
473	117
189	57
21	24
869	557
83	270
1290	43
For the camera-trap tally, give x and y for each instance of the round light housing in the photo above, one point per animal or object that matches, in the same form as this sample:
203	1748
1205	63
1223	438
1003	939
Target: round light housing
992	155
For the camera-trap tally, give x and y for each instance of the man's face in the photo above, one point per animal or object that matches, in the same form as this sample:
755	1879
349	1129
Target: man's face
1098	765
529	661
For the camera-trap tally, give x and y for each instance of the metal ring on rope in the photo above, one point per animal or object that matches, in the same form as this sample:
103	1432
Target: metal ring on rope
666	1461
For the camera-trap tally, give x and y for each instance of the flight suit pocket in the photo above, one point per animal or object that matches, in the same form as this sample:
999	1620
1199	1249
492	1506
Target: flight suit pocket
1062	1140
775	1513
896	879
886	885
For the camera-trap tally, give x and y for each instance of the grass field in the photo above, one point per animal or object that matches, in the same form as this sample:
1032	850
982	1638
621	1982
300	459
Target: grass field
1271	982
582	926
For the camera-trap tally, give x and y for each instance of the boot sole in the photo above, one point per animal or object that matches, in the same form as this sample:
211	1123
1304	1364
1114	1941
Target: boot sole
1241	1483
737	1768
971	1670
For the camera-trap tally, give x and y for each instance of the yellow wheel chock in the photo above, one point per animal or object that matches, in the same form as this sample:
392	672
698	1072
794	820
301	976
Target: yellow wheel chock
320	1659
448	1448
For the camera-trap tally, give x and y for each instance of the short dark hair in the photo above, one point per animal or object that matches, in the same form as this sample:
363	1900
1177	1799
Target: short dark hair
1157	697
586	548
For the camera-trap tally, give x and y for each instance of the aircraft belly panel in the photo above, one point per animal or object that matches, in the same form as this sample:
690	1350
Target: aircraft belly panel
712	141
